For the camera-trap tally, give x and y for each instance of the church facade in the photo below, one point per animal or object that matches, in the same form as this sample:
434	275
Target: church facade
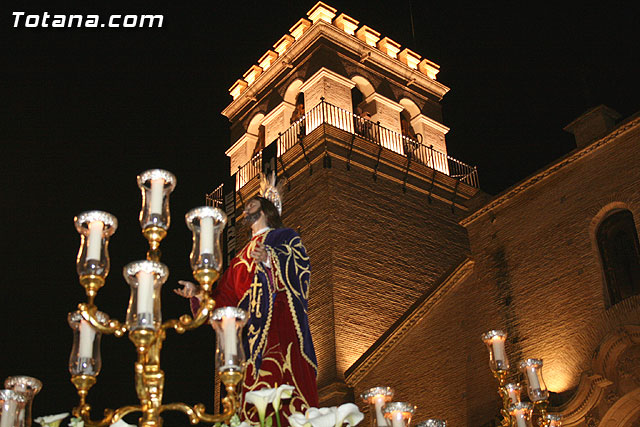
411	261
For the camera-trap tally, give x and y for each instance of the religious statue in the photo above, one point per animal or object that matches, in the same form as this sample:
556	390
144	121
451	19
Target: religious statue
269	278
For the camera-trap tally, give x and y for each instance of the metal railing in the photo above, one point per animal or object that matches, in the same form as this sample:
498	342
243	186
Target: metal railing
337	117
216	197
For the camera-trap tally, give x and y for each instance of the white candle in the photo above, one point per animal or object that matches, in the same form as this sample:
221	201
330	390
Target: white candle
206	235
513	395
520	421
379	402
8	414
229	334
397	419
157	189
145	293
87	334
95	240
498	349
533	378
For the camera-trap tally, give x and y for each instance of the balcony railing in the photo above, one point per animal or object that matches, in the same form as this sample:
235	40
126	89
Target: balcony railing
337	117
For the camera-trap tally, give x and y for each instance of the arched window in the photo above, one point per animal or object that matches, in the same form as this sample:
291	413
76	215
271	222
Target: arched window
357	98
298	111
620	253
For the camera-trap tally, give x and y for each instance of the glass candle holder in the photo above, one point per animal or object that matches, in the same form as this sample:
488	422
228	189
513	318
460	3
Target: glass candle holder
156	186
85	358
95	229
398	413
513	391
494	340
28	387
206	223
228	323
11	404
377	397
536	388
552	420
432	422
521	414
146	279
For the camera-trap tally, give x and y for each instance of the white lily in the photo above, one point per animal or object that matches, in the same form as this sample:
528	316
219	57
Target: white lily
260	399
348	413
284	391
328	417
51	420
297	419
121	423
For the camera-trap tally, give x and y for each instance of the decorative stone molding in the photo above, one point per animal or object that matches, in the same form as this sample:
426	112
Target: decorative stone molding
346	24
389	47
283	44
549	171
299	28
252	74
238	87
431	69
591	390
600	388
393	337
321	12
290	50
368	35
267	59
410	58
277	121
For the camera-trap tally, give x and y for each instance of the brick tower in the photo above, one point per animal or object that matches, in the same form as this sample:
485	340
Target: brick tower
352	121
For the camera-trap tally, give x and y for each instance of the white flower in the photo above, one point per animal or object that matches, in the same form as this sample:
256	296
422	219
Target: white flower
121	423
348	413
328	417
76	422
297	419
285	391
51	420
260	399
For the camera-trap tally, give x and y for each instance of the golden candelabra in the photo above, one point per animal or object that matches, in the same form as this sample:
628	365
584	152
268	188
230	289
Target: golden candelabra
144	324
516	413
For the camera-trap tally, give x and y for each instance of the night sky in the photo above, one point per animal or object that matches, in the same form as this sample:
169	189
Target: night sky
85	110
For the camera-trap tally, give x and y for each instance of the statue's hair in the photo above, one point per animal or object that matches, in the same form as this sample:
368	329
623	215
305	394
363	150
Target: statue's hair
270	212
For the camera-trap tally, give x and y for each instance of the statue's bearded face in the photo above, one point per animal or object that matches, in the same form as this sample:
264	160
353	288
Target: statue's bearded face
252	212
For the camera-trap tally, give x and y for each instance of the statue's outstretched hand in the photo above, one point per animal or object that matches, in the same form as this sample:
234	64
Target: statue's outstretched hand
260	253
188	290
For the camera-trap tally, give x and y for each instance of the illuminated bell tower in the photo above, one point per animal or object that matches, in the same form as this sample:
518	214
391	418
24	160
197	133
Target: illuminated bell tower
352	122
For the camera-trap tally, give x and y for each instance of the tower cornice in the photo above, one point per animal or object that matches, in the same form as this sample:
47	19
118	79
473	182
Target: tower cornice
360	50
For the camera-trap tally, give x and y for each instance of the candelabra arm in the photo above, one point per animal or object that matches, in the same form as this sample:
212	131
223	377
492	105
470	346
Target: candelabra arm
229	403
229	406
186	322
84	412
182	407
125	410
113	326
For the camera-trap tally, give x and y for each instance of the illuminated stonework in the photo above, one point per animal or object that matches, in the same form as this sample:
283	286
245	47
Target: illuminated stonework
323	13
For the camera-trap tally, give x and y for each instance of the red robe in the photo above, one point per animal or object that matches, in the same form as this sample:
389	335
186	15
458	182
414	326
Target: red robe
277	342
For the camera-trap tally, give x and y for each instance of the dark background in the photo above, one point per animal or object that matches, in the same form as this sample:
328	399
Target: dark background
85	110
